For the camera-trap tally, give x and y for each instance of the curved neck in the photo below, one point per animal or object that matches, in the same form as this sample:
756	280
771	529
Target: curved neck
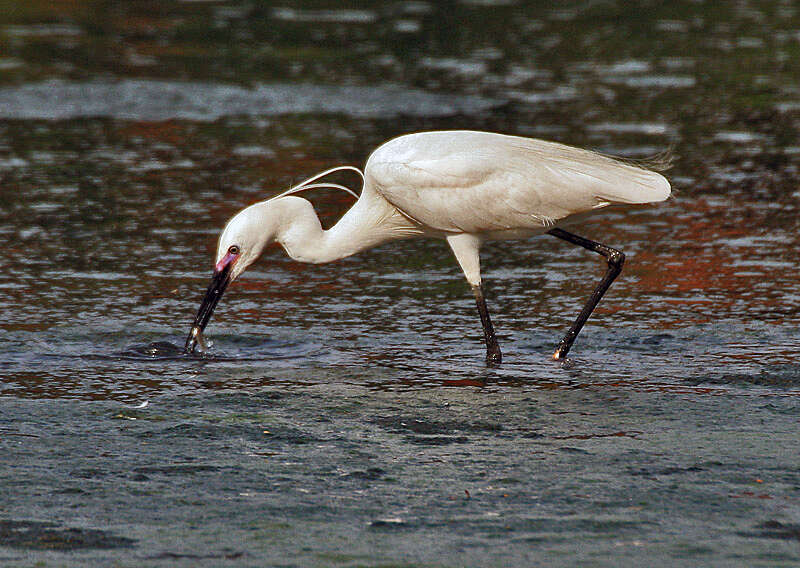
369	223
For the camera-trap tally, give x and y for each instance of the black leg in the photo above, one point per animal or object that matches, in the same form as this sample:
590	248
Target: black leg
493	355
615	260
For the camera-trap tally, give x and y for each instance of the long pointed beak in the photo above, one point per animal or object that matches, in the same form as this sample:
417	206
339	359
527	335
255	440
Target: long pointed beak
219	282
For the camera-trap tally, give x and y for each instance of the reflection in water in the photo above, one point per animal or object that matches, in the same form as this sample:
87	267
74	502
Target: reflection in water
140	100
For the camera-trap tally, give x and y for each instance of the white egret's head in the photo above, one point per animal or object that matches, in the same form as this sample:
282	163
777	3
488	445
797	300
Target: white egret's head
247	234
242	241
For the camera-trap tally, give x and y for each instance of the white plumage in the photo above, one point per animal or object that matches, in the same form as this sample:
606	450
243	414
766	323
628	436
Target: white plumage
464	186
481	182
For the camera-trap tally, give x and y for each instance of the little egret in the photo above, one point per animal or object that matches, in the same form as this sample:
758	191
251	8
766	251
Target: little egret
463	186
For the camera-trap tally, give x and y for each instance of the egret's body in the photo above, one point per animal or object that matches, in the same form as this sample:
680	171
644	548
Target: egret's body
463	186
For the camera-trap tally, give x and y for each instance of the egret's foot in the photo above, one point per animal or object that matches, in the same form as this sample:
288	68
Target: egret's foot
564	346
560	355
494	357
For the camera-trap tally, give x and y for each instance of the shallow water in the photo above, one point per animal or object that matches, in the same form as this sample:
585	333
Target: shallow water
344	415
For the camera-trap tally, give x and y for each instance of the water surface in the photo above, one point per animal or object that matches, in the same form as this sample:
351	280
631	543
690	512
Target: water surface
344	416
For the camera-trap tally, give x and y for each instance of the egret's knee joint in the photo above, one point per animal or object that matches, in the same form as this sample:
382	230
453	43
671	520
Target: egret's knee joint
616	258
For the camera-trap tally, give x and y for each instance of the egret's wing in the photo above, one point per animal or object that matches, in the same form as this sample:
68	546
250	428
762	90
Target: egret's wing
466	181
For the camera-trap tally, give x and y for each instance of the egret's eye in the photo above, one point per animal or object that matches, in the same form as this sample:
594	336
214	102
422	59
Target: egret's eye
233	250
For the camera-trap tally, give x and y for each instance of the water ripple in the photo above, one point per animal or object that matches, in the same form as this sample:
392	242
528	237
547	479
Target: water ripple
139	99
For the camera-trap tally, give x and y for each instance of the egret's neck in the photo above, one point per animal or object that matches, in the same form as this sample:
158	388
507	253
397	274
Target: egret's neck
369	223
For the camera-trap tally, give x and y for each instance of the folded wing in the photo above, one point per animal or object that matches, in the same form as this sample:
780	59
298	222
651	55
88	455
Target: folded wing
464	181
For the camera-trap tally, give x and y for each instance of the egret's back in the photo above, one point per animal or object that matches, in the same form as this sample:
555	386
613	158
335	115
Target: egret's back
465	181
